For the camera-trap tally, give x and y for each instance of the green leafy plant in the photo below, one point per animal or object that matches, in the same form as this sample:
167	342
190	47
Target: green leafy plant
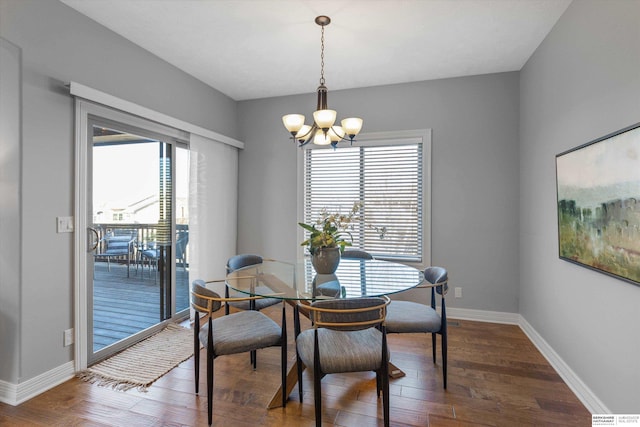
330	230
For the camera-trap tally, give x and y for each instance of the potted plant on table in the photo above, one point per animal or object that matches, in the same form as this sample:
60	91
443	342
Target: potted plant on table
328	237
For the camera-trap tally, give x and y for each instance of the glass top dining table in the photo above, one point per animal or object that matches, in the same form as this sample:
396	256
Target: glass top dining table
298	281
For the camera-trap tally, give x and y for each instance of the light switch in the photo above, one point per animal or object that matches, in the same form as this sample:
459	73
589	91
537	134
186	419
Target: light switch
65	224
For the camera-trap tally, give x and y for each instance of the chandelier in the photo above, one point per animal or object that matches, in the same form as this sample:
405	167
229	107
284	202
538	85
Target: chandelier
322	131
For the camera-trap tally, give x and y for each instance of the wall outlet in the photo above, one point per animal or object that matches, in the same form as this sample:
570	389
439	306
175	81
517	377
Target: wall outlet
68	337
458	292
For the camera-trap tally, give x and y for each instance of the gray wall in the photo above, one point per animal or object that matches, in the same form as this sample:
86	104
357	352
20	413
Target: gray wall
60	45
10	113
474	180
583	82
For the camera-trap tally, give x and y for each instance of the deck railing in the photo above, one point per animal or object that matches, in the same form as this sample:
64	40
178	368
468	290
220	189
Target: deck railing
144	234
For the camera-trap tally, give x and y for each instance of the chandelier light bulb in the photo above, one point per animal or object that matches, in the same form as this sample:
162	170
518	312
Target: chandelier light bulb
325	118
293	122
352	126
321	138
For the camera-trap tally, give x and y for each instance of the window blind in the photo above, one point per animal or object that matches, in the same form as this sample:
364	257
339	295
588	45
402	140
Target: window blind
386	179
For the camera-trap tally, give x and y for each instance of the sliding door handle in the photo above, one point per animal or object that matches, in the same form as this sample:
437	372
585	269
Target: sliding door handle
95	243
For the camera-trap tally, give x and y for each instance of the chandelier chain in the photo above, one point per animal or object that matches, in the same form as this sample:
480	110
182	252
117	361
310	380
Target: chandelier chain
322	57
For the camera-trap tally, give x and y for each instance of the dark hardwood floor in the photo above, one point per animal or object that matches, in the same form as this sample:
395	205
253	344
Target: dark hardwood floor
496	378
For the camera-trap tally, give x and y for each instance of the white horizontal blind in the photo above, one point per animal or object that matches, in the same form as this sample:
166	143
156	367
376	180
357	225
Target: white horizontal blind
386	178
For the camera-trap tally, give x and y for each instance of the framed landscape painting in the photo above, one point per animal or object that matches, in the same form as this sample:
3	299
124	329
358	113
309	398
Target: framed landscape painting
598	186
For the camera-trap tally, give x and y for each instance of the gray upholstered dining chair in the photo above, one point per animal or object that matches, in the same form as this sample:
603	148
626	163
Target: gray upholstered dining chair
348	335
234	263
356	253
240	332
413	317
240	261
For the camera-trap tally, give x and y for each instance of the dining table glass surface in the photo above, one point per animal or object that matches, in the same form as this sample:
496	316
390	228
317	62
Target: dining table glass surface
298	281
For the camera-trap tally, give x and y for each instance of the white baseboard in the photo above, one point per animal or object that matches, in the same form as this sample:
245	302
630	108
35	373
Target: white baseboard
582	392
483	316
8	392
15	394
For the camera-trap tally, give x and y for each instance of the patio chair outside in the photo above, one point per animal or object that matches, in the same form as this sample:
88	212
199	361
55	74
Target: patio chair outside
117	246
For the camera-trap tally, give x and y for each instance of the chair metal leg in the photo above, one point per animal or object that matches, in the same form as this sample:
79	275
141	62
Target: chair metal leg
210	357
317	377
226	305
385	379
443	332
299	367
433	346
196	350
444	358
296	328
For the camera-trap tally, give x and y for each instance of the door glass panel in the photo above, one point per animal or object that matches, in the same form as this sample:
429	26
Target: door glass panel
132	213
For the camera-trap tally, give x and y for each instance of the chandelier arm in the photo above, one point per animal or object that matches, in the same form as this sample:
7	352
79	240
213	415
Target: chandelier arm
301	141
342	138
308	133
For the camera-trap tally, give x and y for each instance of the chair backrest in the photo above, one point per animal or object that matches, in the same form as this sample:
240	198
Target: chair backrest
350	314
242	260
356	253
437	276
201	298
121	243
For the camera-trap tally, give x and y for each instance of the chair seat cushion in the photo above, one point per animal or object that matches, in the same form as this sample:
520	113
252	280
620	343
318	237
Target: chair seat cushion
329	289
410	317
151	253
260	303
241	332
342	351
116	251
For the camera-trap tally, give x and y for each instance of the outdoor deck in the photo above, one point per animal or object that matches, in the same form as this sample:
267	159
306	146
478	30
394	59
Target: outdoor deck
124	306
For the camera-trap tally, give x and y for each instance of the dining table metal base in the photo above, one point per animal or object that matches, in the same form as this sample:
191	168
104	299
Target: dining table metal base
292	380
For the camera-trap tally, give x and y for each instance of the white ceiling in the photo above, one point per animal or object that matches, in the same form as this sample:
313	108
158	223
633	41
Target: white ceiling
252	49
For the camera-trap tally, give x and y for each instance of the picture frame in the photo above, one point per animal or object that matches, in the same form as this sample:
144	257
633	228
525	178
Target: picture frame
598	204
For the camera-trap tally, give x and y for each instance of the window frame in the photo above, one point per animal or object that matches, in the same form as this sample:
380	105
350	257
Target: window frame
381	139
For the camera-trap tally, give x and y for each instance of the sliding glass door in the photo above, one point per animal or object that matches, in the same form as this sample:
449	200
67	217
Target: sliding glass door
138	229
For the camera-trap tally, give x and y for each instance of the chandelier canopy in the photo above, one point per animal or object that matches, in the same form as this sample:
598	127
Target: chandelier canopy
323	131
